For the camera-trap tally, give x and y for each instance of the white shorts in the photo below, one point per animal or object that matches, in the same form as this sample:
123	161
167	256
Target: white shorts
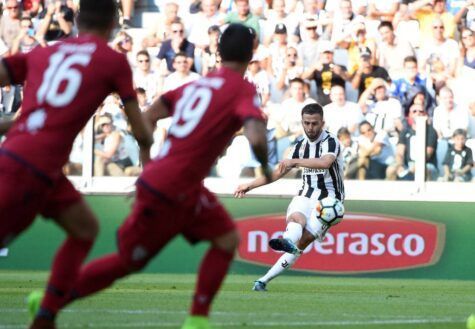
307	207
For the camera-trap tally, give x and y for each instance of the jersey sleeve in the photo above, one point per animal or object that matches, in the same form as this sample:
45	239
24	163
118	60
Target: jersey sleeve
248	104
123	83
330	146
17	67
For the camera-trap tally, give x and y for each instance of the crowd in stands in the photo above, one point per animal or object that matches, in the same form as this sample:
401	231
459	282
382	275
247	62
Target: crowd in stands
374	65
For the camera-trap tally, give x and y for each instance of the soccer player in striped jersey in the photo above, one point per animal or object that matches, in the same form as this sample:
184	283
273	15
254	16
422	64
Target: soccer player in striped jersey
319	156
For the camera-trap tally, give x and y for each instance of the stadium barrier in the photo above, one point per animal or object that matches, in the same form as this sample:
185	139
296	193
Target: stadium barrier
384	239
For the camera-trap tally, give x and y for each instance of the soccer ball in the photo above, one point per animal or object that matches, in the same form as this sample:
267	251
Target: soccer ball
330	211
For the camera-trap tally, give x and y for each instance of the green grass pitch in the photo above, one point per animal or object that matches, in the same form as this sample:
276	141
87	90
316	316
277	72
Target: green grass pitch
161	301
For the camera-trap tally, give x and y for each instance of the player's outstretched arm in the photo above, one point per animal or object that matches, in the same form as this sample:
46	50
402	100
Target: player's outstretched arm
4	75
140	128
5	125
324	162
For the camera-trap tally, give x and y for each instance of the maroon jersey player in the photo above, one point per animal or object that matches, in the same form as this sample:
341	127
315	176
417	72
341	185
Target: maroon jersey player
64	85
171	198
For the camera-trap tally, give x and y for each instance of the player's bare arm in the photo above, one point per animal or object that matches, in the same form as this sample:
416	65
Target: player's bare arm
324	162
4	76
140	128
5	125
242	189
156	111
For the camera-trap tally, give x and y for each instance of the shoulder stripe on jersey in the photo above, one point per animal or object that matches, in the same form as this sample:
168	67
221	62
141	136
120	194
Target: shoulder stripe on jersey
331	145
295	155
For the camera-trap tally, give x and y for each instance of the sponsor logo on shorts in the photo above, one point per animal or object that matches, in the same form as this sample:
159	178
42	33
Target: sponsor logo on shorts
360	243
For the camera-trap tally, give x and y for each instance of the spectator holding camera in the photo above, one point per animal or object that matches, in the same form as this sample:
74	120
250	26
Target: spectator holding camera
458	161
26	39
56	21
326	73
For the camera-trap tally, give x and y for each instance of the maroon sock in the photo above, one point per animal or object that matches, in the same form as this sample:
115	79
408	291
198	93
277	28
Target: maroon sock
212	272
97	275
65	270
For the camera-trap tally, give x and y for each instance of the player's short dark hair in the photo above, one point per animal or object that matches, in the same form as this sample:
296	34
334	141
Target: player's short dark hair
236	44
97	14
313	108
387	24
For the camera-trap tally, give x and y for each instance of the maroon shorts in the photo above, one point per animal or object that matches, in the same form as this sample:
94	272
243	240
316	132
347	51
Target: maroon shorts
24	194
154	221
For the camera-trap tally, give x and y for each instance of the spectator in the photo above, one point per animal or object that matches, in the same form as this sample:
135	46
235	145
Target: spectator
349	152
439	54
404	166
356	45
111	158
420	96
392	50
10	23
383	112
449	116
426	11
308	48
326	73
380	11
123	43
458	161
31	7
210	54
56	21
145	77
278	15
181	73
341	113
375	152
162	29
367	72
176	44
259	78
466	15
26	39
411	78
315	9
343	21
292	68
278	50
142	99
202	21
243	15
467	58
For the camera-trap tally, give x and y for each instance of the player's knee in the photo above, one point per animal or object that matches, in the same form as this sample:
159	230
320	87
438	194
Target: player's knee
298	218
228	242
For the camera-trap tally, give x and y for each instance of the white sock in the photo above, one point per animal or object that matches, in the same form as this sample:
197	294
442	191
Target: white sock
293	232
285	261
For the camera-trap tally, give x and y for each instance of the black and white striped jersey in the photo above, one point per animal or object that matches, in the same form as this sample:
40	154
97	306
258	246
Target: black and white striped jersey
320	183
